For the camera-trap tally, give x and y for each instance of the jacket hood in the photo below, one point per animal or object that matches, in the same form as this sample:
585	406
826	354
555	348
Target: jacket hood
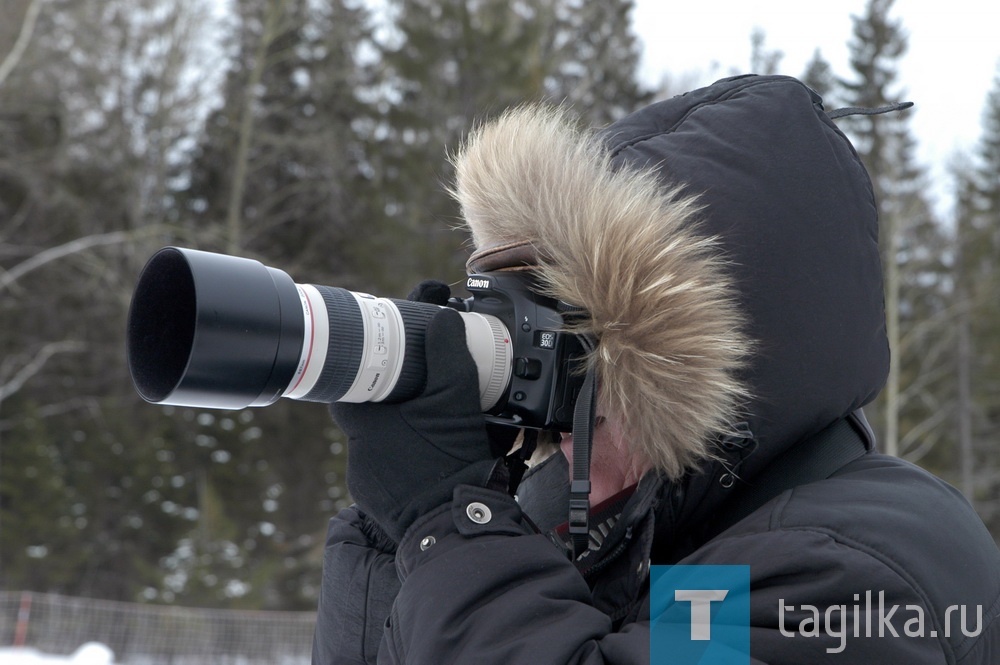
724	244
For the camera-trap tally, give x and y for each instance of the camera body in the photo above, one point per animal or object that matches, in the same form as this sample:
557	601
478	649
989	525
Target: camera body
545	373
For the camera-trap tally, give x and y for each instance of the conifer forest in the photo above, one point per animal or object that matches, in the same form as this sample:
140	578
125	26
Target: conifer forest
313	136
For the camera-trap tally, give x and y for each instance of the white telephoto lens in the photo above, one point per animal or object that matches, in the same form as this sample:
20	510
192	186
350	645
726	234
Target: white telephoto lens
383	349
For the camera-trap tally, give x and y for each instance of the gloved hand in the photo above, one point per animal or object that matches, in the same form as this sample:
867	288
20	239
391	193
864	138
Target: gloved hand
406	459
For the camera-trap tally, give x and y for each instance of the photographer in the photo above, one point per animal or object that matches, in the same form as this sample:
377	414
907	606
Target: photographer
723	247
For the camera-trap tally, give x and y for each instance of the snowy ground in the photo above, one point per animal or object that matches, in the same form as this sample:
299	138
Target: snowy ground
91	653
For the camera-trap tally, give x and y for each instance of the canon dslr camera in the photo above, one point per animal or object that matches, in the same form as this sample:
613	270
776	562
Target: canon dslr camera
217	331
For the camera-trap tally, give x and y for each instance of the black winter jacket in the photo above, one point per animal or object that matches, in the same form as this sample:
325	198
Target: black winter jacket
789	199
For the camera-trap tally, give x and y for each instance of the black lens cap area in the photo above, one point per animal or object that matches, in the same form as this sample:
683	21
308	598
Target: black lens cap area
161	325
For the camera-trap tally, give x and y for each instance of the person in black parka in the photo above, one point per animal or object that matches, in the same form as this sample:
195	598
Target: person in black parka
724	245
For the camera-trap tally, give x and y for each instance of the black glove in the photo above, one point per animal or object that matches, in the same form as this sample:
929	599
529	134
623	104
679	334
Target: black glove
502	437
431	291
406	459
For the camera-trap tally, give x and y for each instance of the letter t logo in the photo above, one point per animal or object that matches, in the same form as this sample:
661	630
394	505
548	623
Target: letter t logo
701	609
699	615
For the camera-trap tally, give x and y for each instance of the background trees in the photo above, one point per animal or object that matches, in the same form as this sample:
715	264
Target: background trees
938	408
977	322
304	133
88	117
311	135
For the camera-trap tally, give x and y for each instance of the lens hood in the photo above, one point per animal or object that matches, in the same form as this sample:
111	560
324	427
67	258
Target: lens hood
212	331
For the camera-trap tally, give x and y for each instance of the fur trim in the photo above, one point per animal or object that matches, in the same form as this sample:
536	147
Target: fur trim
624	247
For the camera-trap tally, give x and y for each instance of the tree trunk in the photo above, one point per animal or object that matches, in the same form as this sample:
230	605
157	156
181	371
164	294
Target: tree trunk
892	283
234	207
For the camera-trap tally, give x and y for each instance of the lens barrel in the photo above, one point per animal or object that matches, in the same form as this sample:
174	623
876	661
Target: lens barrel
216	331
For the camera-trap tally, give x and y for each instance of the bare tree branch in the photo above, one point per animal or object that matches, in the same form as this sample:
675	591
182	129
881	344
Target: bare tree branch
53	253
21	45
47	411
35	366
234	215
931	439
922	432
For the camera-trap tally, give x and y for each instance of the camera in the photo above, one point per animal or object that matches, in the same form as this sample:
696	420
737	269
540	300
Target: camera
217	331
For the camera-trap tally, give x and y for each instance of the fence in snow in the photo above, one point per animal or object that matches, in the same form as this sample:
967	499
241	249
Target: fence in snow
154	634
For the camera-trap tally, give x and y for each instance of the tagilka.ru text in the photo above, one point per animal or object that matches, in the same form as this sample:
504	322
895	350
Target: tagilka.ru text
870	616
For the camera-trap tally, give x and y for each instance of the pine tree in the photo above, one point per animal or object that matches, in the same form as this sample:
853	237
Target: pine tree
90	119
977	280
819	76
763	61
282	175
910	237
274	173
449	64
964	281
445	64
594	58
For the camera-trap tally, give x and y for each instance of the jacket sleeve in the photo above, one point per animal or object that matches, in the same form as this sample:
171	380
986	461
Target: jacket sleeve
480	587
359	585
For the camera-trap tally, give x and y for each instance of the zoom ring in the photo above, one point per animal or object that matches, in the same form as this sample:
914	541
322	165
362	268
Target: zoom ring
413	374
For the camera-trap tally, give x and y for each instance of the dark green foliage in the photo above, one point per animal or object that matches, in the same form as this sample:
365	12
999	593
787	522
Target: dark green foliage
448	64
909	413
977	282
877	44
101	494
941	278
595	59
319	147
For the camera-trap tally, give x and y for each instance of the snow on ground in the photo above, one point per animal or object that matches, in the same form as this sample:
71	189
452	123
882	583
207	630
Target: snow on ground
91	653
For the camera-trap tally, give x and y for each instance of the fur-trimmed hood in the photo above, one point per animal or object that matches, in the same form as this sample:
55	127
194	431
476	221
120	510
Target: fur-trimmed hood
626	249
725	246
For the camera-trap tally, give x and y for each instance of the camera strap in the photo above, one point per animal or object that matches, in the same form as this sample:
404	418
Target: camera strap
583	435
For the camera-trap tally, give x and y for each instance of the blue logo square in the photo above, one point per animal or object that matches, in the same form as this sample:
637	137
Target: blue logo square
699	615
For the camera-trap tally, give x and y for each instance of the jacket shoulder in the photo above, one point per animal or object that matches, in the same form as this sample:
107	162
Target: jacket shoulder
879	526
